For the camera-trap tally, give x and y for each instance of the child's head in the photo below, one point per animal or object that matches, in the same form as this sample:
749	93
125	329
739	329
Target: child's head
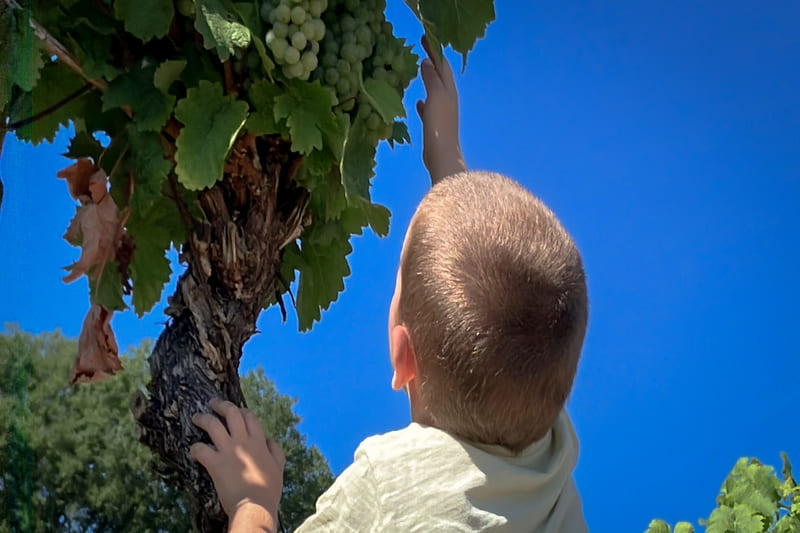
492	294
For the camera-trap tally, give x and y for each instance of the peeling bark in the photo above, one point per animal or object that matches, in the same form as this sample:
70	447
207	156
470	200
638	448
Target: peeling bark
233	258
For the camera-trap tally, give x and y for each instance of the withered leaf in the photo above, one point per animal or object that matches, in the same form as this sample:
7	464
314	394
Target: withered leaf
98	354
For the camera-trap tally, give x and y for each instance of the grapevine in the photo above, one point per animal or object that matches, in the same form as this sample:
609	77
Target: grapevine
241	133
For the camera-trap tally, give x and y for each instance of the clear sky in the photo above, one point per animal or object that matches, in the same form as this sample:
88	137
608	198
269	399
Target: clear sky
666	136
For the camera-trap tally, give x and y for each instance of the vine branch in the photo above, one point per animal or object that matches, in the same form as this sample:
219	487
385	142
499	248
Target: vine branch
53	108
55	48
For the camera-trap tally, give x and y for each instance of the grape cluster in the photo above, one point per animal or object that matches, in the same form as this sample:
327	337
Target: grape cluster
359	42
295	34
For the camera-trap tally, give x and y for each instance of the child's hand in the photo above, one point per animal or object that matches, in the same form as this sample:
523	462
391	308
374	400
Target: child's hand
247	469
441	150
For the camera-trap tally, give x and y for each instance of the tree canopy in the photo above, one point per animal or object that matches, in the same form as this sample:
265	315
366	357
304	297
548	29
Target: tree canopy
68	459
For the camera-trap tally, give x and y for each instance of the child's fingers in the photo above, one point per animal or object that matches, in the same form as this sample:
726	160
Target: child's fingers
212	425
430	77
232	415
442	68
277	452
253	424
203	454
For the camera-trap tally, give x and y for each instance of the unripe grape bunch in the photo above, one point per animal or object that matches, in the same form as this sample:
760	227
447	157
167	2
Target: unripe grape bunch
341	43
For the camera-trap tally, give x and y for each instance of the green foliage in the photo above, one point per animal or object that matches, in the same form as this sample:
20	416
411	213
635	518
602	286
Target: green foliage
455	22
145	19
174	83
212	121
752	500
69	460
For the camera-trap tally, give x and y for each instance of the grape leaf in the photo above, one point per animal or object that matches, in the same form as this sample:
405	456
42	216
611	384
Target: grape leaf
26	49
150	169
321	260
167	72
145	19
658	526
400	134
262	94
83	145
361	213
683	527
152	231
458	22
93	51
151	107
219	28
307	110
106	290
358	160
199	66
211	122
56	83
385	99
738	519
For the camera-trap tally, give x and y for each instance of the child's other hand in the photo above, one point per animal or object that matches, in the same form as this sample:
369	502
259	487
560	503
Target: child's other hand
247	469
441	150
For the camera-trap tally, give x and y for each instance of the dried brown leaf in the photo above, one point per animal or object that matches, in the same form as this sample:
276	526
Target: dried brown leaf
98	354
96	226
78	175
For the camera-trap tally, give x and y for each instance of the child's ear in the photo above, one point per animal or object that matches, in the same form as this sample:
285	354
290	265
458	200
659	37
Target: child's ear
404	360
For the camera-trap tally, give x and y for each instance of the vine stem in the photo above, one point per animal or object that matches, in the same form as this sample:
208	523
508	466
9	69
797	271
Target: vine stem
55	107
55	48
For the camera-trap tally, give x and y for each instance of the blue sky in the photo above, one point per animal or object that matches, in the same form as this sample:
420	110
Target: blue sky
666	136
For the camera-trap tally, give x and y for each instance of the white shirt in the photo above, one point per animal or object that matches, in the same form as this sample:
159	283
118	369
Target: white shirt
423	479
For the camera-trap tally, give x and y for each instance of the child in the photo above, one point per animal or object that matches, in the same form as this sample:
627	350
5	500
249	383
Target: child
485	330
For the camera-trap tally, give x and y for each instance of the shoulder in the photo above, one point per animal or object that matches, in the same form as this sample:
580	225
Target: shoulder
414	440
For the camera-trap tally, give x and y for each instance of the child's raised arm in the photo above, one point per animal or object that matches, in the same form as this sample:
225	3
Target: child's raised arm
247	469
441	150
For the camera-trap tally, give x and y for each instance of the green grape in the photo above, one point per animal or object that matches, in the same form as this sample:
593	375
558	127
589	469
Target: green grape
309	60
315	47
349	38
298	15
331	76
349	52
329	59
294	70
344	66
280	29
299	40
316	7
380	73
270	37
297	1
352	5
385	131
374	121
361	51
309	30
279	47
348	105
398	65
292	55
282	13
364	36
319	29
348	23
343	86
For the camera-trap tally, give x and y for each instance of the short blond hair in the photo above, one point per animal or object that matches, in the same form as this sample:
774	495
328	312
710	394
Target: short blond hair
494	296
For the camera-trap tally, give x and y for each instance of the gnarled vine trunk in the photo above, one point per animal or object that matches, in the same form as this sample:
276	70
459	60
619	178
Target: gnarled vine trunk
233	258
